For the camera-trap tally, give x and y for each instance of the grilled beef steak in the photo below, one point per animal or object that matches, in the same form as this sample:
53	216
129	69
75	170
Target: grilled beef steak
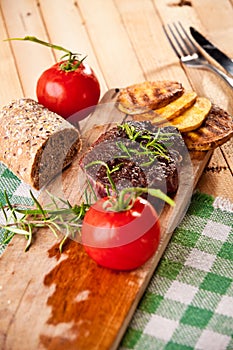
136	154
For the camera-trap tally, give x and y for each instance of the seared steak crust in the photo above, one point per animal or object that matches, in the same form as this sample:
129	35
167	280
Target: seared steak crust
128	165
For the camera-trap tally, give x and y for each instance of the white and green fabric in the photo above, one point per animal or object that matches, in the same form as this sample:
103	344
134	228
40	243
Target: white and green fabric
189	301
17	191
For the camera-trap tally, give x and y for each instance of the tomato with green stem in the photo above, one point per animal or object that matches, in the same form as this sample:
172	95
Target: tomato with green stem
68	88
123	232
68	91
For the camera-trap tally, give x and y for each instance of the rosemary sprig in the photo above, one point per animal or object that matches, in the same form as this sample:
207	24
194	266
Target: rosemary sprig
152	145
25	221
108	171
133	134
150	150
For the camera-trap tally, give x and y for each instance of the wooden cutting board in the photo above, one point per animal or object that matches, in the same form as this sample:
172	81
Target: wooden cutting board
66	302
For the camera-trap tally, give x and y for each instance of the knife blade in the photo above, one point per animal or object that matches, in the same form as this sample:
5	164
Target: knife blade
213	51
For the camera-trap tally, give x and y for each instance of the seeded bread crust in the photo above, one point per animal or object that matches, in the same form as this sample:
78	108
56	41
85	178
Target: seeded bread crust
35	143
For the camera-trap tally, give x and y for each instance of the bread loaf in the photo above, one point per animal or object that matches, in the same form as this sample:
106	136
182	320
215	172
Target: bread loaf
35	143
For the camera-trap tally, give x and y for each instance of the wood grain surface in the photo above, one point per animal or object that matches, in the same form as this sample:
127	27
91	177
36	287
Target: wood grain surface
76	303
48	301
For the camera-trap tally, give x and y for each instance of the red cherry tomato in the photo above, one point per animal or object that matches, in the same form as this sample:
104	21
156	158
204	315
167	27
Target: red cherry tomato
67	92
121	240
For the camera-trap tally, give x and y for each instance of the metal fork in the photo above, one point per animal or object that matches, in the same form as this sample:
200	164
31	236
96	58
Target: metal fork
188	52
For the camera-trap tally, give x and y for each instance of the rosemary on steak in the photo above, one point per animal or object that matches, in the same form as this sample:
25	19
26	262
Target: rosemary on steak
142	134
151	145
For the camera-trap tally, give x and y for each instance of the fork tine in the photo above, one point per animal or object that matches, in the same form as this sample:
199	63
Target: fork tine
178	42
186	41
171	42
190	43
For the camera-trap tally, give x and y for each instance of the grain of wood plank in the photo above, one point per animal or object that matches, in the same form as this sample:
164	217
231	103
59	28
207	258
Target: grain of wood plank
71	302
144	29
218	23
227	150
11	88
71	33
217	179
23	18
205	83
115	53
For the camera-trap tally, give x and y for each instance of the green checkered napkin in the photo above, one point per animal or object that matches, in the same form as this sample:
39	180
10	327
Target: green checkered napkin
189	301
17	191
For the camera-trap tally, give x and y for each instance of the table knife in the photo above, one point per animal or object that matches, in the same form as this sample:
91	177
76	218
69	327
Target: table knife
213	51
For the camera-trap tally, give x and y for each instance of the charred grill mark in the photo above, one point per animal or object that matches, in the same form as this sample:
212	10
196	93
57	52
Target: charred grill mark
215	130
150	94
132	97
146	98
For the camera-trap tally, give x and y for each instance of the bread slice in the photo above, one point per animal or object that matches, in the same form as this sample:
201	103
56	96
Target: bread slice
216	129
35	143
140	98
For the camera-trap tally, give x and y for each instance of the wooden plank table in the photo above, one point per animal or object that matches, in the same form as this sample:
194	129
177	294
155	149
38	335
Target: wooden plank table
40	291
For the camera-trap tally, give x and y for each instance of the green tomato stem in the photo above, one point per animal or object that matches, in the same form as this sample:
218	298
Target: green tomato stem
72	61
123	202
38	41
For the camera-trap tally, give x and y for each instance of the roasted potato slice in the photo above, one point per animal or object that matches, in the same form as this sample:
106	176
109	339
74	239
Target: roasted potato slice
216	129
177	107
142	97
193	117
170	111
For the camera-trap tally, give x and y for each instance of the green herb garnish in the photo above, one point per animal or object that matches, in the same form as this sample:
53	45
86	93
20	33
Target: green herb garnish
25	220
151	145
